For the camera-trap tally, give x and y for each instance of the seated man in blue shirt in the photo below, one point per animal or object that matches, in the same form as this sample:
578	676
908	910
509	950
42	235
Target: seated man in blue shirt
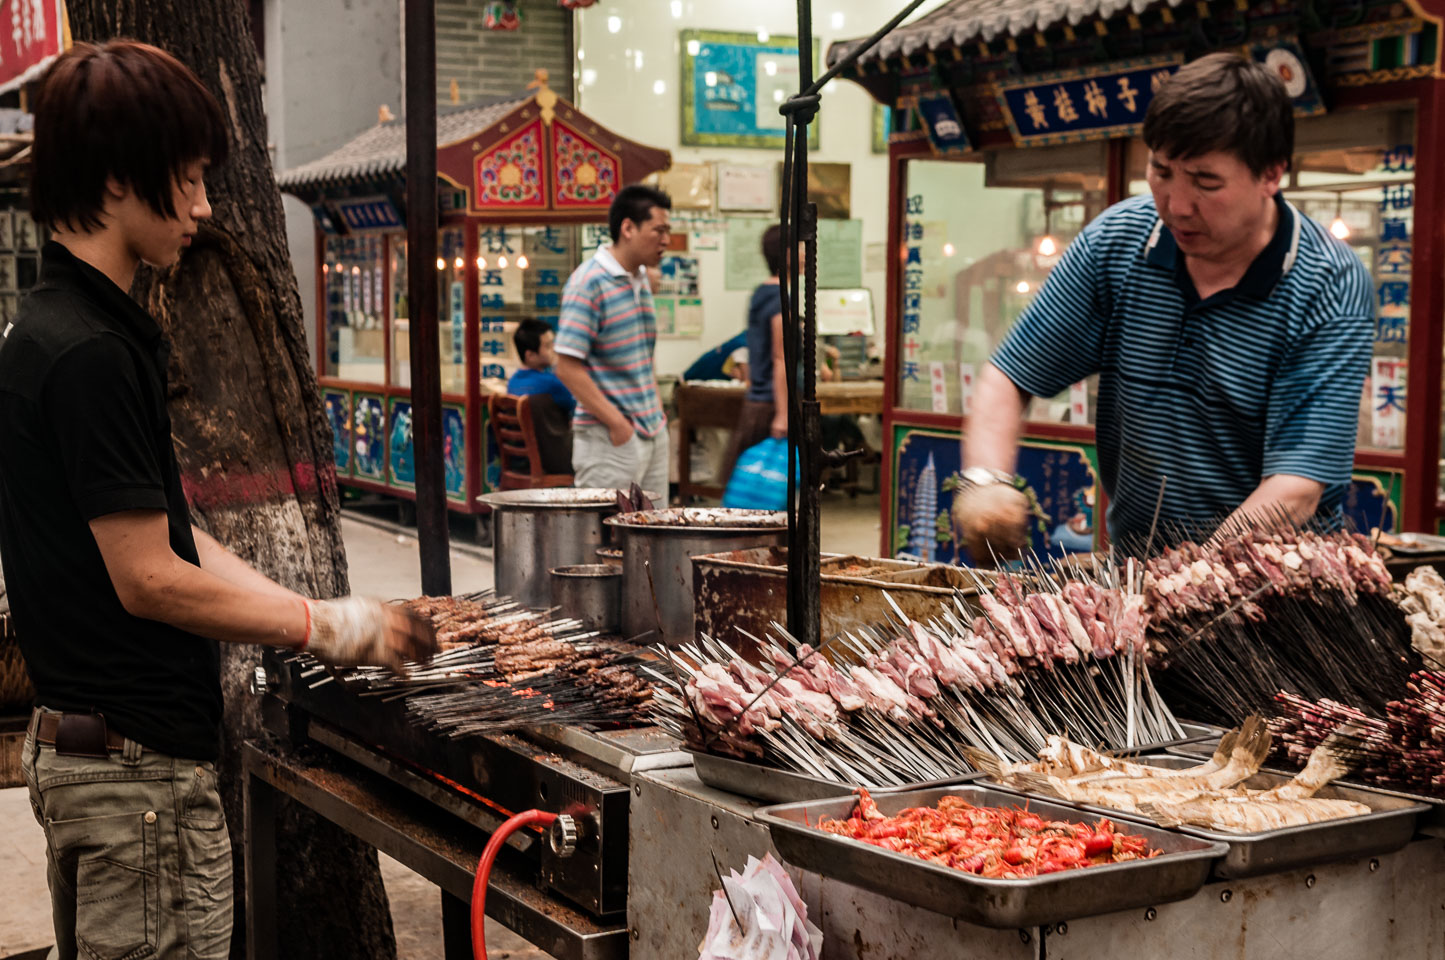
552	404
534	340
1231	335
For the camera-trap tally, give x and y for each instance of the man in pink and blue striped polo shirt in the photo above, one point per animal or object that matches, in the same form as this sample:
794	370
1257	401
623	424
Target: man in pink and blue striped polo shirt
605	337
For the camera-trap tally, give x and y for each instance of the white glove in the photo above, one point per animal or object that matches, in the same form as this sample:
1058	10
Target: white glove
993	521
360	631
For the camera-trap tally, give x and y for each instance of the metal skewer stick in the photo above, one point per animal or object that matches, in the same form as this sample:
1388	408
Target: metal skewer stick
1158	506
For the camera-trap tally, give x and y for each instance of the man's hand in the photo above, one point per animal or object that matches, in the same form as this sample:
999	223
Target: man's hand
779	428
993	520
620	432
360	631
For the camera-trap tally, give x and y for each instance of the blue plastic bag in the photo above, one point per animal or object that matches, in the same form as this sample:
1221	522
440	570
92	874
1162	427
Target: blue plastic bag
760	479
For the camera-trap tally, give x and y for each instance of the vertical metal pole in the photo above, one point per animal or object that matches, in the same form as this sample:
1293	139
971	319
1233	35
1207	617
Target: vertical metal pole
421	254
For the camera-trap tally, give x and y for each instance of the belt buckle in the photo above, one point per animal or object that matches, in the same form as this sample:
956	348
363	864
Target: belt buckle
81	735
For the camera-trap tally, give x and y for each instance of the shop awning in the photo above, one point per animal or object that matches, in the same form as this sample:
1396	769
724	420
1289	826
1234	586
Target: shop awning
533	155
961	22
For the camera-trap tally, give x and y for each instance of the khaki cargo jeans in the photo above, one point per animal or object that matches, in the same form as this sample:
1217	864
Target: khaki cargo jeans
139	861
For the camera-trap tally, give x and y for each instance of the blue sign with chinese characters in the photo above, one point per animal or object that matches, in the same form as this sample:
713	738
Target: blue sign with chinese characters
1099	103
945	124
368	213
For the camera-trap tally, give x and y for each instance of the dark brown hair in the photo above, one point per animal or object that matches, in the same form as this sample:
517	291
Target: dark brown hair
634	202
773	249
125	110
1223	101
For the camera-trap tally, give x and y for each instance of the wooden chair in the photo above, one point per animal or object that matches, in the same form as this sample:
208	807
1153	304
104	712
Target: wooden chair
511	422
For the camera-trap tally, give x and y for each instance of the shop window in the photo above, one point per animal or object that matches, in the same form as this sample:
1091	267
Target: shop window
521	273
355	319
451	312
979	240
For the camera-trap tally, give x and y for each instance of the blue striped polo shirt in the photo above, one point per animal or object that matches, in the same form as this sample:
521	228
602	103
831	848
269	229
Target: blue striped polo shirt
1261	379
608	323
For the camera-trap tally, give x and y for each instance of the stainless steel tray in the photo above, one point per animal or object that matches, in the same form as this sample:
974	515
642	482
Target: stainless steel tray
1434	818
1085	892
784	786
1387	829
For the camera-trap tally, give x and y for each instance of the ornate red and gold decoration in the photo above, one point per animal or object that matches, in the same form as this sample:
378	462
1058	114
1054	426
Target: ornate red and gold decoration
586	174
511	174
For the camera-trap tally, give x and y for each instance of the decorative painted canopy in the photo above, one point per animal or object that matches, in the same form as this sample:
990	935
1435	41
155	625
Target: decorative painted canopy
533	157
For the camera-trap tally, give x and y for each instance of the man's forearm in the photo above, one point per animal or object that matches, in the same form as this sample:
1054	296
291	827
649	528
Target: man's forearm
190	598
217	560
575	377
994	426
1297	497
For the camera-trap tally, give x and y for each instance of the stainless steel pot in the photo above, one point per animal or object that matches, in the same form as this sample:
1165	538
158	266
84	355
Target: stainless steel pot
589	592
657	552
536	530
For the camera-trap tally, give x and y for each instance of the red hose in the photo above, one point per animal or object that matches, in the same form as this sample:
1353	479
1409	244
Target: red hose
484	873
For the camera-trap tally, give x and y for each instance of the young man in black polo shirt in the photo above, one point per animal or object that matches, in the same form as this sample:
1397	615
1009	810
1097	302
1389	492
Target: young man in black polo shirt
118	600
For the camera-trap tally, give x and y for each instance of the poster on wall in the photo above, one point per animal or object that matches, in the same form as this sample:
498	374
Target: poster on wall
678	316
1372	501
743	263
840	253
338	414
690	185
732	86
881	123
829	186
746	189
399	442
454	451
1060	480
369	437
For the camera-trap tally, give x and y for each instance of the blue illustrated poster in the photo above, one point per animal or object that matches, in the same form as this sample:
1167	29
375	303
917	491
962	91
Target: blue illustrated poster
338	414
732	86
403	460
1365	503
1061	482
369	437
454	452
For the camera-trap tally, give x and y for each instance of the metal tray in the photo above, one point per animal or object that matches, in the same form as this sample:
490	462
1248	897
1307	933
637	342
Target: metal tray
1387	829
1434	818
1085	892
784	786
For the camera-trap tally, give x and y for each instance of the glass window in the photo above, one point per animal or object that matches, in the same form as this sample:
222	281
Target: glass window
522	272
355	320
451	312
965	284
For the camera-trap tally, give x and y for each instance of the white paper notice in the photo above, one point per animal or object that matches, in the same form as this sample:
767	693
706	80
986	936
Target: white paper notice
966	373
1079	402
1387	402
939	386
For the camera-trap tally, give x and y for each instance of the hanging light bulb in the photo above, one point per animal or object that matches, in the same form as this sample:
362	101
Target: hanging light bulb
948	250
522	262
1023	286
326	268
1338	227
481	263
1047	246
459	263
502	262
441	263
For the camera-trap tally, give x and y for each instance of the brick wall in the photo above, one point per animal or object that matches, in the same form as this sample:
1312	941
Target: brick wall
489	63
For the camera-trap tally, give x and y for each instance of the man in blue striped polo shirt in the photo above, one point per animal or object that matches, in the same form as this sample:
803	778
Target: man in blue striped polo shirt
605	337
1231	334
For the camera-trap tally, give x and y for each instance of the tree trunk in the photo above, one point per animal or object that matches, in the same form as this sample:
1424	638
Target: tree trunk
253	443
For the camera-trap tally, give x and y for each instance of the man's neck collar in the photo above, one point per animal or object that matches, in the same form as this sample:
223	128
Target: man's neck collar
622	259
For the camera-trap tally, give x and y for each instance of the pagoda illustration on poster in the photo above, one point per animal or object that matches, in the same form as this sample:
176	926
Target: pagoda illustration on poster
922	522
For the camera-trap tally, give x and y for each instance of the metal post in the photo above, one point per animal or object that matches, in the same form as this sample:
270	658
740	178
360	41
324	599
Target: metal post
421	254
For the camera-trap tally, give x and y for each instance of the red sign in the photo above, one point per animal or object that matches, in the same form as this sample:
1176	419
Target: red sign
30	37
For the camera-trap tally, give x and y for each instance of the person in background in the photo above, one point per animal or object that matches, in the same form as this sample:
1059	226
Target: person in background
118	600
535	343
552	405
721	362
606	333
765	406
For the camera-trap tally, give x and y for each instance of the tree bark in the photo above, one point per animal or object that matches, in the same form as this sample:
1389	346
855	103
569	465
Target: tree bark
253	443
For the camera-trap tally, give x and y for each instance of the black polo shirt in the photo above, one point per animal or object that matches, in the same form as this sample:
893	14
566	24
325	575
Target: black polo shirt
84	433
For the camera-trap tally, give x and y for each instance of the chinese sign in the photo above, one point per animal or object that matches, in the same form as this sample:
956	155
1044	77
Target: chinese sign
368	213
30	37
944	124
1098	103
1092	104
1387	401
912	285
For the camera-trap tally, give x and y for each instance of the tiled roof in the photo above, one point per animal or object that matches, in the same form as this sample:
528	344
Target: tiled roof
381	151
960	22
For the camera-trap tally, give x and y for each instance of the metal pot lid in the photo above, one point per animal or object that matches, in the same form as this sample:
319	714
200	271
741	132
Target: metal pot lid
556	498
585	571
715	519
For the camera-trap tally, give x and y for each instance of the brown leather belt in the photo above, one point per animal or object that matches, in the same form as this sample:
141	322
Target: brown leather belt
82	734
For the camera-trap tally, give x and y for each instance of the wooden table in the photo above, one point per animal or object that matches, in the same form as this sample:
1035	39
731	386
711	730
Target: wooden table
710	404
